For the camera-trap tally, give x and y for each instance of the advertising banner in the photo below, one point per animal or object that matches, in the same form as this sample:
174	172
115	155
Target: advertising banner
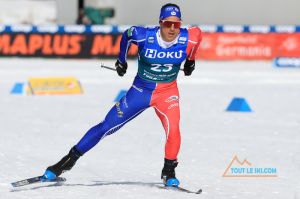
61	45
249	46
78	41
54	86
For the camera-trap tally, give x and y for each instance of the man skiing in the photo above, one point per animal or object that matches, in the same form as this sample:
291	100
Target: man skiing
161	50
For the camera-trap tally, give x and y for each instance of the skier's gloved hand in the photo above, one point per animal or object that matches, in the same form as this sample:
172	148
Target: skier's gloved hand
121	68
189	67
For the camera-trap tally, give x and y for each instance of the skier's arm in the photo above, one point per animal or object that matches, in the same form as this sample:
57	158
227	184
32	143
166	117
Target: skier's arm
195	38
135	35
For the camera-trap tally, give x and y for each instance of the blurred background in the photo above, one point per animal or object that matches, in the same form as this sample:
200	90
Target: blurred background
237	12
232	29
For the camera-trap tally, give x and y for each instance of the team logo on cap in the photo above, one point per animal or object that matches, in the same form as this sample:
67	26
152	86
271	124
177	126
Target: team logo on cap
169	11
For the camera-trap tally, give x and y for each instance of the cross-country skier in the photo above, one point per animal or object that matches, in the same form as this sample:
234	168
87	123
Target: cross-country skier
161	50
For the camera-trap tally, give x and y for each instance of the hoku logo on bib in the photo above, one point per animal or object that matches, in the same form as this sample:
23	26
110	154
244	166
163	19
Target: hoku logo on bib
153	53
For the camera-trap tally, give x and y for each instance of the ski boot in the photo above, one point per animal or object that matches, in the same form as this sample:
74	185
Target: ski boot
65	164
168	173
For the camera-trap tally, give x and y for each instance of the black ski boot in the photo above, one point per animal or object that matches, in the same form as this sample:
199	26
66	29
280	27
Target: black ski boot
65	164
168	173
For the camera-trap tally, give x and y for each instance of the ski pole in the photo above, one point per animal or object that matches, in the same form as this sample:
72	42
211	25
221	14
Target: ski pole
114	69
107	67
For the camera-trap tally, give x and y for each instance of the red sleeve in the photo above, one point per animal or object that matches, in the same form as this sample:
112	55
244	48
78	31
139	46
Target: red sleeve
195	37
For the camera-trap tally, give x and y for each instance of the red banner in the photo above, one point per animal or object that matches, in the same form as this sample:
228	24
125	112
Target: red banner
214	46
249	46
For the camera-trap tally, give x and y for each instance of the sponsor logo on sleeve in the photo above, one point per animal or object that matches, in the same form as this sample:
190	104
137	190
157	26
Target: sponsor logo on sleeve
150	40
130	31
182	40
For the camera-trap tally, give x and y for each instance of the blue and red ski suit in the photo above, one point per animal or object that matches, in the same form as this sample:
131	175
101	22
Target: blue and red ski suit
154	86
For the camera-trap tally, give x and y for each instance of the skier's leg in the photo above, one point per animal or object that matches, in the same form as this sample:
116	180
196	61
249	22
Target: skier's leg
122	112
170	121
167	108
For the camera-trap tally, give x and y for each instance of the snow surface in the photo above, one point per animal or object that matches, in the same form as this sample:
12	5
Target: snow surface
37	131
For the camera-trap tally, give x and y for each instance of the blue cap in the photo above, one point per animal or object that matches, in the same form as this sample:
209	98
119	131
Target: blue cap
169	11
